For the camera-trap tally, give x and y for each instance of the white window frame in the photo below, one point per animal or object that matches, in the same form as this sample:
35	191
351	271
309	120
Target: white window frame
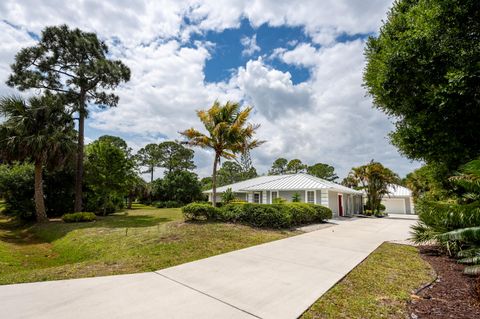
314	196
271	196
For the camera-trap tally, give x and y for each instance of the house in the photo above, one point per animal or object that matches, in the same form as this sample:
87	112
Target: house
343	201
399	200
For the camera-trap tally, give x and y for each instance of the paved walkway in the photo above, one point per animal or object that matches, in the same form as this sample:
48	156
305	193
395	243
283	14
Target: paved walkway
280	279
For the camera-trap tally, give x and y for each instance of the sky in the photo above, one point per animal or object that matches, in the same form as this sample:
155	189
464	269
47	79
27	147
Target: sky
298	63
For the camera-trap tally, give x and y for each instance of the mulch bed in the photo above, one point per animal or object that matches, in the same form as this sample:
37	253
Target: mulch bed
452	295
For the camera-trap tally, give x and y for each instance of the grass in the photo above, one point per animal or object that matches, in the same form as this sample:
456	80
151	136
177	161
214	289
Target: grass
142	239
377	288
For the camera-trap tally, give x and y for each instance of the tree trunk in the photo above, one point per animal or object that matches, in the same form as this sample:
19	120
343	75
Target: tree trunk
151	174
80	148
129	203
214	181
40	212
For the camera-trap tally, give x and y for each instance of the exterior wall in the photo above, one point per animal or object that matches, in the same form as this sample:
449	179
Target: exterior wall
289	194
408	209
333	202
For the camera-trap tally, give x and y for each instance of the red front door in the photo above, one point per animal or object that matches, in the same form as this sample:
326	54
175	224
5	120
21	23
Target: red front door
340	205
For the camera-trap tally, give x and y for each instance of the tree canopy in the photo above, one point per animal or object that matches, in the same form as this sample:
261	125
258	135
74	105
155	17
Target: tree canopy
423	69
279	166
323	171
75	64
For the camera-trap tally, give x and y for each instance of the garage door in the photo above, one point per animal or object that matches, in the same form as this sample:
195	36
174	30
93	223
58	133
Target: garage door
394	205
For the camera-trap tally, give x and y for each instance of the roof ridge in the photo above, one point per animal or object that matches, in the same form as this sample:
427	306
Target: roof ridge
276	179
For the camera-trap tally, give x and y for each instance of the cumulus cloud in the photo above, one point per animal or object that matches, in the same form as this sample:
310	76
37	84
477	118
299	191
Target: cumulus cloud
325	119
250	45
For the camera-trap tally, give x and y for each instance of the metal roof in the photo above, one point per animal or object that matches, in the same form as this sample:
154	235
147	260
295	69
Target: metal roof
398	191
300	181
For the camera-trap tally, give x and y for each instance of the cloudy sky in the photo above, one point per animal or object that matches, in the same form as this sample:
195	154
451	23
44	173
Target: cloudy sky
299	63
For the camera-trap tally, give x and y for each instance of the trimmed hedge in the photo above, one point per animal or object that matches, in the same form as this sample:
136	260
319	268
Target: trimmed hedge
260	215
200	211
79	217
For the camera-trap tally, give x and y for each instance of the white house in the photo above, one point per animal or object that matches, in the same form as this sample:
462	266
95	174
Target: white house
343	201
399	200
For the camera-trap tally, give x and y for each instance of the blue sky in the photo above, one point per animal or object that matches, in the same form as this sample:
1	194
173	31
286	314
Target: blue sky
299	64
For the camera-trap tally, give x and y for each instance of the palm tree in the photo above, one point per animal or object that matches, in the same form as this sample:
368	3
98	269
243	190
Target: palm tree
39	132
229	134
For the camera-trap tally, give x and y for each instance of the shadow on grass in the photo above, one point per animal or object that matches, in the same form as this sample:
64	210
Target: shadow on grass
14	232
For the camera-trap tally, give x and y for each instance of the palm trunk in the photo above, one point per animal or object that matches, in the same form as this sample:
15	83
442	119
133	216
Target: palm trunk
40	212
80	147
214	181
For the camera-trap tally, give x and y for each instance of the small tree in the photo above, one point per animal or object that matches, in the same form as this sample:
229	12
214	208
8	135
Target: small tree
279	167
39	132
75	64
374	178
228	134
228	196
150	157
296	198
322	170
295	166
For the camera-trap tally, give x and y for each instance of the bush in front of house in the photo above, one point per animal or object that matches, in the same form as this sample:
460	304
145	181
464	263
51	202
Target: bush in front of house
79	217
200	211
273	215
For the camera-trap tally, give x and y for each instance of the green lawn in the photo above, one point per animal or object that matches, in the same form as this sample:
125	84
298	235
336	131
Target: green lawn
142	239
377	288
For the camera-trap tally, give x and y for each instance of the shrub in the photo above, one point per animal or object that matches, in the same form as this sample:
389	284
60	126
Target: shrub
167	204
232	212
382	207
228	196
322	212
265	215
296	198
200	211
302	213
16	187
79	217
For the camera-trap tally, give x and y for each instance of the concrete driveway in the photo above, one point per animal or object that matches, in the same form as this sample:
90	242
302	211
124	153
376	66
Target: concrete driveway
280	279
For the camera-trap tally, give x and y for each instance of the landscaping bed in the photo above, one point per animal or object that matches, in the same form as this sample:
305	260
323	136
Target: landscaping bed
452	295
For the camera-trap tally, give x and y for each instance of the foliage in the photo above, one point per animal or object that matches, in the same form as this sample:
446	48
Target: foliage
295	166
199	211
279	167
79	217
430	182
74	64
455	225
279	200
150	157
167	204
228	196
181	186
229	134
206	183
16	187
374	179
175	157
423	70
274	215
38	132
107	171
323	171
296	197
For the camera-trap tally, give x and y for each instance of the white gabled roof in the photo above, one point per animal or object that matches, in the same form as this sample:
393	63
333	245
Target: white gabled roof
398	191
236	187
300	181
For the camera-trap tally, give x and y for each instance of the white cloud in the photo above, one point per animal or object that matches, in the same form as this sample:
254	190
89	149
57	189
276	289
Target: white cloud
250	45
326	119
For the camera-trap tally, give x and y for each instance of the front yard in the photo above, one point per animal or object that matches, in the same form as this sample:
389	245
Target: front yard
138	240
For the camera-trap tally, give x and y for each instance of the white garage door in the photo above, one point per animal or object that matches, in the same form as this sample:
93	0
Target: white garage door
394	205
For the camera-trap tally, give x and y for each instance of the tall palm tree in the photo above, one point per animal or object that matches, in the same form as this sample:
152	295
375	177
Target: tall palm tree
39	132
229	134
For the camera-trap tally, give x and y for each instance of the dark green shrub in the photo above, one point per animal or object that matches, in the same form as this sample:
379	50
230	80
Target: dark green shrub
323	213
382	207
228	196
200	211
231	213
167	204
79	217
301	213
265	215
16	187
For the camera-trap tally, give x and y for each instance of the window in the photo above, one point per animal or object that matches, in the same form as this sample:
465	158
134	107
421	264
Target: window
274	196
311	197
256	198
